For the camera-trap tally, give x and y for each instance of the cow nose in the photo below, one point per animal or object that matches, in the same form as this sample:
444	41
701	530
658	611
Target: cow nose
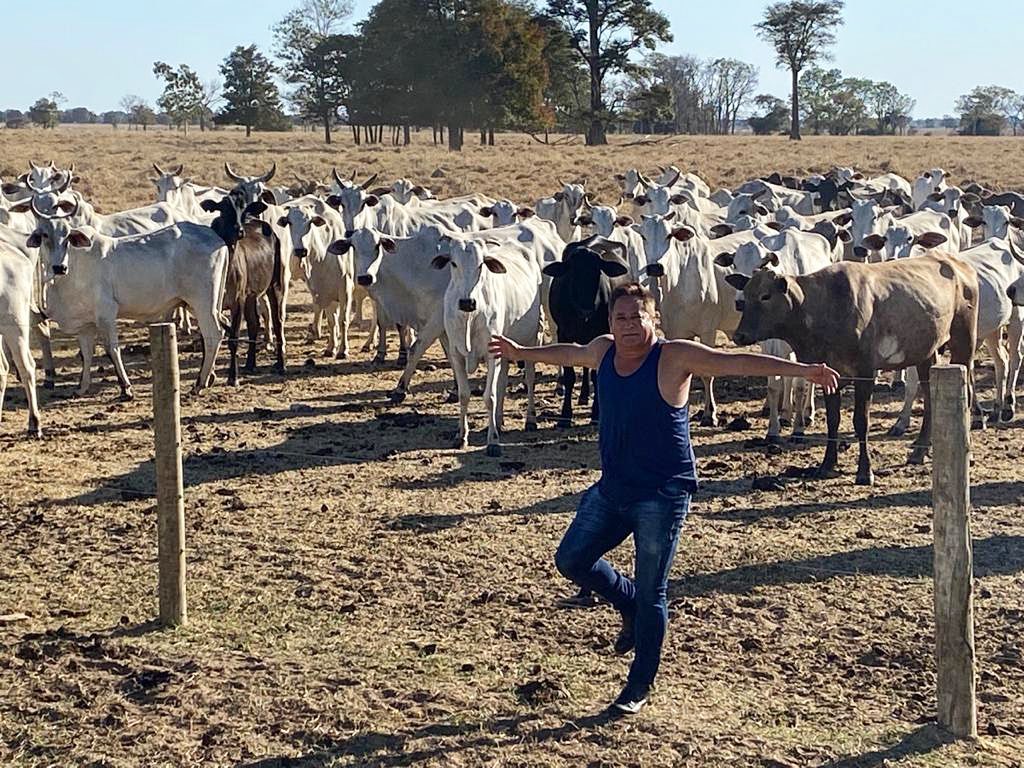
1011	292
467	305
300	253
364	280
656	270
953	213
60	269
740	305
740	339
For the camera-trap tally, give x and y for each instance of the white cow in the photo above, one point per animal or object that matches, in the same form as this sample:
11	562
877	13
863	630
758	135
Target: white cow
562	208
604	220
183	194
925	184
17	277
924	229
98	279
494	289
773	196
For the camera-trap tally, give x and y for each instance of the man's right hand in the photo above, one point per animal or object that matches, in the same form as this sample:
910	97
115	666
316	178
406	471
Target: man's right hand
501	347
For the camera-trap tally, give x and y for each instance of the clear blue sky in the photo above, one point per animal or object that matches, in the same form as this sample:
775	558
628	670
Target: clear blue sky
101	50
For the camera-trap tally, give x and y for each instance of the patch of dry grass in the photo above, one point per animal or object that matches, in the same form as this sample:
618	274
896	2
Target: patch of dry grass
362	596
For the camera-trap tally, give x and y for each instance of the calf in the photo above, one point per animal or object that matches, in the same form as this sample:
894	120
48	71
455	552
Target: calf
494	290
98	279
862	318
582	283
17	277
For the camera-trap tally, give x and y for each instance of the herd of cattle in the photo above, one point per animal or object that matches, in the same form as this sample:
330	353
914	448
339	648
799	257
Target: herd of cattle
866	274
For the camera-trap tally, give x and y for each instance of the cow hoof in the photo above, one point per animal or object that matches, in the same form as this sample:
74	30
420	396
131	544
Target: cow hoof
826	473
51	384
563	423
865	478
329	352
785	423
249	368
493	450
773	440
451	396
898	387
559	390
709	421
232	381
460	443
279	369
898	429
477	391
397	396
35	433
882	387
765	411
797	439
531	425
126	396
403	360
918	455
1006	414
342	355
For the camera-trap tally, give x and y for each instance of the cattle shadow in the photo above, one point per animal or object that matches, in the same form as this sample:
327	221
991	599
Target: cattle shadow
998	555
431	522
920	741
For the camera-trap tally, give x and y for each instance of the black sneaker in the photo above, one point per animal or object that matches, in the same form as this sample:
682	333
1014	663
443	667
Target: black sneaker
632	699
626	640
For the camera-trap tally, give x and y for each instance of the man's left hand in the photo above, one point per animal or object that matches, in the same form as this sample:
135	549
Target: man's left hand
823	376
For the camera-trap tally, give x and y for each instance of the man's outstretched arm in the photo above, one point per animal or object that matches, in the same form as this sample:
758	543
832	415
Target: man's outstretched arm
700	360
580	355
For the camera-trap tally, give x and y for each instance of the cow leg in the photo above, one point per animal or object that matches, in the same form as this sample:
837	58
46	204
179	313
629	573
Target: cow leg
584	388
316	324
909	396
595	409
828	464
213	335
4	368
234	328
710	417
86	345
1000	359
568	382
802	392
277	324
430	333
776	391
254	307
331	315
924	437
41	329
345	299
265	317
503	367
531	406
404	333
1015	330
458	363
862	392
491	404
109	331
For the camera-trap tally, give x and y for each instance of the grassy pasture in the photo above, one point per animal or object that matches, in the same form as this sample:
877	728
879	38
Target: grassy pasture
361	595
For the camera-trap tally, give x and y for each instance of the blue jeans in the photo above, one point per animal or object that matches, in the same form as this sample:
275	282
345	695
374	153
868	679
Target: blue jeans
599	527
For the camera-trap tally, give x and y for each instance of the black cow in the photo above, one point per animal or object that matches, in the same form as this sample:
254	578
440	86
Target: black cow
582	282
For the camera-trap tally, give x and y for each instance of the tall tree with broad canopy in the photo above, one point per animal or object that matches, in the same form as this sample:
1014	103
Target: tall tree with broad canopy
250	96
801	32
604	34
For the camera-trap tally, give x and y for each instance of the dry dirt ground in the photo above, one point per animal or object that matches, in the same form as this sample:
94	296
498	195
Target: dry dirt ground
360	595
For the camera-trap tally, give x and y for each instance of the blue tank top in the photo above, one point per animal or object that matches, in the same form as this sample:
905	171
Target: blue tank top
644	441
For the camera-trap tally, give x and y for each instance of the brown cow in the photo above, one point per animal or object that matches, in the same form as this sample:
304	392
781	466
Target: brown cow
865	318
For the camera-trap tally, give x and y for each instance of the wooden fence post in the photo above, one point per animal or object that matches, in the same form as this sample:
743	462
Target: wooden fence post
954	570
170	491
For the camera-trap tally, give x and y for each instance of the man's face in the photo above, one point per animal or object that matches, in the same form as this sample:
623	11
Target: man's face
632	325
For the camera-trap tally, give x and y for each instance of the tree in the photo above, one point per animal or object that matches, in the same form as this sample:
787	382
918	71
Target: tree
889	107
732	84
651	106
142	114
800	31
183	93
981	111
773	117
250	96
604	33
210	101
45	112
128	104
312	54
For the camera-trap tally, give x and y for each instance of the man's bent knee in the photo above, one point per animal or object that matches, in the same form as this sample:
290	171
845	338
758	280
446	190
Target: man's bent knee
570	564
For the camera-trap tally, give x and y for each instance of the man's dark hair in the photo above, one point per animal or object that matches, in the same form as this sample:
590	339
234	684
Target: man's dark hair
633	291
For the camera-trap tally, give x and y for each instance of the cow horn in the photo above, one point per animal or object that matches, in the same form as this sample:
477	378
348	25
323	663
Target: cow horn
661	169
177	171
587	200
369	181
621	201
71	170
269	174
33	166
353	176
674	179
231	174
51	165
64	184
160	171
337	177
644	180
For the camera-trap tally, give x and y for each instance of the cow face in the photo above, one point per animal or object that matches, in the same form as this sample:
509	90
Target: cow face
232	214
582	268
766	302
502	213
660	233
369	247
352	201
571	198
996	221
744	204
253	189
403	191
168	187
55	236
468	260
300	221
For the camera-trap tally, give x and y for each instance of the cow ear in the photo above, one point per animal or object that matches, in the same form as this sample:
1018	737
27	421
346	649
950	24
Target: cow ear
10	189
624	221
334	201
265	229
559	196
440	261
22	207
935	196
773	259
79	239
613	268
370	201
255	209
339	247
268	197
677	199
641	200
494	265
972	198
67	206
34	240
737	281
683	234
776	225
319	221
845	236
973	221
875	242
930	239
620	177
388	244
525	213
556	269
761	210
782	284
487	211
725	259
721	230
1017	223
282	222
844	219
210	206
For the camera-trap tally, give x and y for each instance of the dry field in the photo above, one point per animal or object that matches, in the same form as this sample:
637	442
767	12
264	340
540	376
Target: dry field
361	595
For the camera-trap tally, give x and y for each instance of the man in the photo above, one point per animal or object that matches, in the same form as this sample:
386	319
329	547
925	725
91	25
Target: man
647	464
